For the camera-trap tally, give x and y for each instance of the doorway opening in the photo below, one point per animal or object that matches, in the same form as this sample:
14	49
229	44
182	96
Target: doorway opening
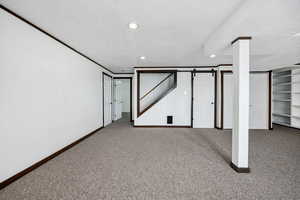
122	89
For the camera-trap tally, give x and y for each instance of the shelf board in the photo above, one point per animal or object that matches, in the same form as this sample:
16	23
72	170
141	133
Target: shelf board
282	76
296	82
282	115
281	73
282	100
282	123
280	84
297	106
282	92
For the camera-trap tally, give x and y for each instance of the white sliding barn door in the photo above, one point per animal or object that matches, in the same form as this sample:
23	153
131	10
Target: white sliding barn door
107	100
259	100
204	97
227	100
117	99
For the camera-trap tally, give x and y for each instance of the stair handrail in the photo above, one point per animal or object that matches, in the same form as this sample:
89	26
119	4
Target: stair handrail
156	86
139	113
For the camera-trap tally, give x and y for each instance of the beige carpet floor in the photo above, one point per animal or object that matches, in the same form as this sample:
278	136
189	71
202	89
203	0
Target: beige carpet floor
125	163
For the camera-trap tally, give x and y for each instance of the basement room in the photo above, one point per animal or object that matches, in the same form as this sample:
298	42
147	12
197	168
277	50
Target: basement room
150	100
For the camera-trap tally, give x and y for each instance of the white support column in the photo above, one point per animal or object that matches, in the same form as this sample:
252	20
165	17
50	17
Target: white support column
240	129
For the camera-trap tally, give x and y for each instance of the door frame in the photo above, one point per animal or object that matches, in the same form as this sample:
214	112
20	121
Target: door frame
105	74
222	96
130	80
214	73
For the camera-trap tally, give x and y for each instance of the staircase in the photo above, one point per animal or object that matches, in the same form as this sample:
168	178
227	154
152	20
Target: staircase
162	83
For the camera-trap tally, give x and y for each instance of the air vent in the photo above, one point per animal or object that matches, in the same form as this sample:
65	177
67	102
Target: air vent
169	119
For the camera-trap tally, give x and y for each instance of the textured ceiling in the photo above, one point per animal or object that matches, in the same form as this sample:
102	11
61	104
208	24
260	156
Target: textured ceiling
171	32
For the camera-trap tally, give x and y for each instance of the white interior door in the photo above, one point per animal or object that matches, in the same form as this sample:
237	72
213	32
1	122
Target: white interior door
228	100
204	97
118	103
259	98
107	100
258	104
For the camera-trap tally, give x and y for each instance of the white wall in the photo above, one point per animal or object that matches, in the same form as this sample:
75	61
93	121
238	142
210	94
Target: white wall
123	75
160	109
50	96
176	103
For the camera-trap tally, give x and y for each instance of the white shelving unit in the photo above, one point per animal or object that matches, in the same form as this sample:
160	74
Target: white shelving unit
286	97
295	108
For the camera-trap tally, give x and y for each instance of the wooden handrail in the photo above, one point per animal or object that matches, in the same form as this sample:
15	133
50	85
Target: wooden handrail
156	86
139	113
157	100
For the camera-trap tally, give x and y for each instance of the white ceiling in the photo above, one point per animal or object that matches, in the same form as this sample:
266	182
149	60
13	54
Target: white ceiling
171	32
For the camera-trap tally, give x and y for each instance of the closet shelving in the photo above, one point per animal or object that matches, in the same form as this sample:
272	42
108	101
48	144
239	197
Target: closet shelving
286	97
295	108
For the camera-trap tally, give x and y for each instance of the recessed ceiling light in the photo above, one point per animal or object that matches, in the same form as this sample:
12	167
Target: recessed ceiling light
212	56
133	25
142	57
297	35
